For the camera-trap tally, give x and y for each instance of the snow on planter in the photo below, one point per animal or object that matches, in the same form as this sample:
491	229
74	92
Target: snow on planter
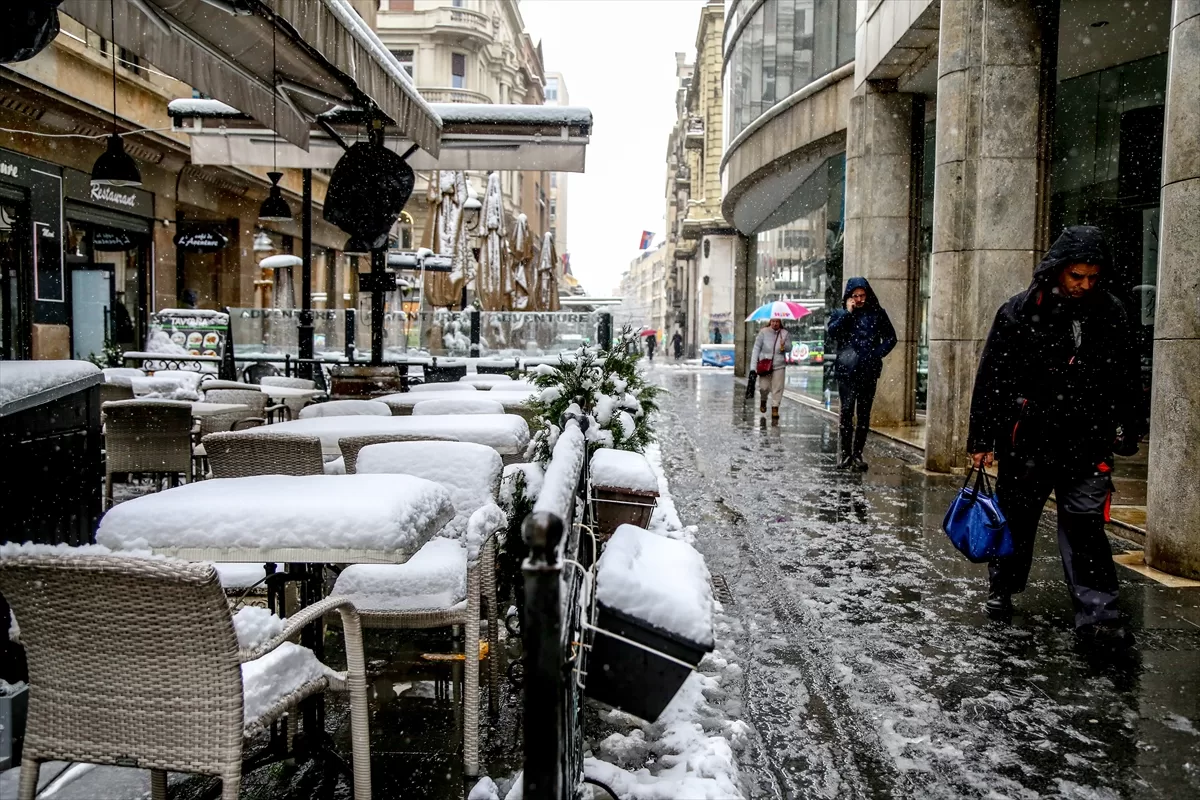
624	489
389	513
654	621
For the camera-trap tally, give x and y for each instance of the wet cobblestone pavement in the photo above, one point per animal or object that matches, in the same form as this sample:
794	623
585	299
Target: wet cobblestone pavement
870	670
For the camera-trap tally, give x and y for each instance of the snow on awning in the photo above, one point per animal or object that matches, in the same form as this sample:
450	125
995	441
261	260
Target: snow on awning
473	136
326	56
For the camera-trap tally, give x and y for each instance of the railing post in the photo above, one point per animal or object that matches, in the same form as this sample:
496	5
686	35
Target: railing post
604	330
544	671
476	331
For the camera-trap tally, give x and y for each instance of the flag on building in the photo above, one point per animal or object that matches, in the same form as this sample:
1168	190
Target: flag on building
647	238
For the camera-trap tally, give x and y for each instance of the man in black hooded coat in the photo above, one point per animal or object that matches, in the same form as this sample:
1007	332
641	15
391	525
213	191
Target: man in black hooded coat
1055	396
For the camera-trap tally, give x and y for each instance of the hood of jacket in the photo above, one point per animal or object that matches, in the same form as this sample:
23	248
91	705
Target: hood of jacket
1076	244
860	283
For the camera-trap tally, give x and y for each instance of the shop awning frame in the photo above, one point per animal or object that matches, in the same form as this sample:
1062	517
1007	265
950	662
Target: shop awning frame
473	137
326	56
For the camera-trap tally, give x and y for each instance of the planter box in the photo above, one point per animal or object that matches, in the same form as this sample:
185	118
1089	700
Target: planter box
638	680
12	727
616	507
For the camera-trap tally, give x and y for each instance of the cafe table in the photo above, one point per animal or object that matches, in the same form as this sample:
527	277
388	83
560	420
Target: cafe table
514	402
507	434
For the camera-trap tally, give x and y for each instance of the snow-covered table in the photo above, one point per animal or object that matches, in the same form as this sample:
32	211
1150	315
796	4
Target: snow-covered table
273	392
507	434
201	409
327	519
402	404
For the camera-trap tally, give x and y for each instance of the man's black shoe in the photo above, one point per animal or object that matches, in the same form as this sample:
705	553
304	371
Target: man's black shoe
999	605
1106	633
845	463
859	464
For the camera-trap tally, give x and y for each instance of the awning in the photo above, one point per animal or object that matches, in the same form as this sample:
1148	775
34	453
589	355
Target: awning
325	57
473	137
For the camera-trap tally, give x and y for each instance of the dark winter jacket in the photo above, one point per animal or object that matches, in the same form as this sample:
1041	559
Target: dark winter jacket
864	336
1058	375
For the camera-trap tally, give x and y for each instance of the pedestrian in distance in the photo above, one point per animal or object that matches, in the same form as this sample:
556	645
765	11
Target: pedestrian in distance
770	362
865	336
677	345
716	336
651	344
1056	395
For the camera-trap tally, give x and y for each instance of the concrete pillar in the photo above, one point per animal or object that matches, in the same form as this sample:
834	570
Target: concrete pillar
1172	502
987	199
880	231
745	300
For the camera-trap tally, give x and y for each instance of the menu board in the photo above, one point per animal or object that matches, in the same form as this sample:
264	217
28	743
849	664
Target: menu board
198	331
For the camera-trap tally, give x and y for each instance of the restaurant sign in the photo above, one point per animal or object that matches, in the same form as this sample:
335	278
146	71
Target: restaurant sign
201	240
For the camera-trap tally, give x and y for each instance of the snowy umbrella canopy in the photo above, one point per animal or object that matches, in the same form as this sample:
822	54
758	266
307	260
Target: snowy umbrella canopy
545	284
490	280
447	193
780	309
520	246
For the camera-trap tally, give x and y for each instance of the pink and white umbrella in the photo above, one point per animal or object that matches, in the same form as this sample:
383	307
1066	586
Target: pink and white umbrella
780	309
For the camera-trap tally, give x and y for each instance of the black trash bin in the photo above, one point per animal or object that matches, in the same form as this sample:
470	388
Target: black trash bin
50	439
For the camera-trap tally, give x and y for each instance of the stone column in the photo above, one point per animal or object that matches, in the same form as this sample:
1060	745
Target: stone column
1172	502
880	231
745	300
987	197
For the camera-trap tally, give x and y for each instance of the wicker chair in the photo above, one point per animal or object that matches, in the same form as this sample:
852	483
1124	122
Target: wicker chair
147	436
294	404
171	697
254	398
239	455
113	392
463	610
351	445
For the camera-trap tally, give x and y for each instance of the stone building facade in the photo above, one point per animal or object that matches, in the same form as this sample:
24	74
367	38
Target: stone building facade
940	147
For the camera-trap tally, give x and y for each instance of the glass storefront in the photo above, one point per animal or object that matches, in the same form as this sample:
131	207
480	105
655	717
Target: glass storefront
776	47
1108	140
924	257
802	261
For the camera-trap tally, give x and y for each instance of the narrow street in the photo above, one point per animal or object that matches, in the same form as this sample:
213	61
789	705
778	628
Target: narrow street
870	670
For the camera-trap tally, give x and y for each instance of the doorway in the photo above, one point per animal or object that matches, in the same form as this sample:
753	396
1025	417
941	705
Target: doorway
92	295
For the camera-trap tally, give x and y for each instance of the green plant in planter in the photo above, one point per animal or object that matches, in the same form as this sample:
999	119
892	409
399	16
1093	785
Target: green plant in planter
110	357
605	384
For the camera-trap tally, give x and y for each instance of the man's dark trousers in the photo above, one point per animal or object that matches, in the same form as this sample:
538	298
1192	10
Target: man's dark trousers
856	396
1022	491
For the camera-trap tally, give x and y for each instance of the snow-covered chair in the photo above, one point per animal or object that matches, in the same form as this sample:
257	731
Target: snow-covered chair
444	583
346	408
468	405
146	436
234	454
188	681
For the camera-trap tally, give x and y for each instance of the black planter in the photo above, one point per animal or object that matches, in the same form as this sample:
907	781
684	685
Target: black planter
634	679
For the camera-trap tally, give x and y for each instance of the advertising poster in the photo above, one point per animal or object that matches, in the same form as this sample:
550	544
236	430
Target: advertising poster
198	331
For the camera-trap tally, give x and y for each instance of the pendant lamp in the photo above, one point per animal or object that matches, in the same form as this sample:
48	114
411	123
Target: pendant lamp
115	167
274	208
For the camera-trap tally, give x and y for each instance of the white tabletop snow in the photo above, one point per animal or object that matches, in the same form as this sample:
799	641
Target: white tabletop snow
469	405
20	379
508	434
662	581
300	517
622	469
510	400
441	387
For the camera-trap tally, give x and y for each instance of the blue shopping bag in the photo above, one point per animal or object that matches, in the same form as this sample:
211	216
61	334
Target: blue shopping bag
975	523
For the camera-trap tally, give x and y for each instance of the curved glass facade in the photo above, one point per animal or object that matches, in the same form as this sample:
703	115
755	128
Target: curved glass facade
774	47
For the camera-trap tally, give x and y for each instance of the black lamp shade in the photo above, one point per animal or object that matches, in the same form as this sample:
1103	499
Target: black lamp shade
115	167
275	208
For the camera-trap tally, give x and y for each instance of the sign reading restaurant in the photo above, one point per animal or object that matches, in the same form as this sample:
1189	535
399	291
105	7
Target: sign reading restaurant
111	196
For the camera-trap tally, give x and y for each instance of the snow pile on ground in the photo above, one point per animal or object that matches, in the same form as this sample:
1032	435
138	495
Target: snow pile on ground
455	406
662	581
665	519
434	578
20	379
326	512
623	469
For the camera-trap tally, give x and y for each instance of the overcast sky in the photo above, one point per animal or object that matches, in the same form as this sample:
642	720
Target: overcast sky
618	59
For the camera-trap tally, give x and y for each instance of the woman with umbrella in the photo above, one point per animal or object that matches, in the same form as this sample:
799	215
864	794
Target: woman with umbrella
651	337
771	346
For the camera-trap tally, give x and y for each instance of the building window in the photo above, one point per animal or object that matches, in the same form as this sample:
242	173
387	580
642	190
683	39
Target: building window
551	90
459	3
458	70
553	180
405	57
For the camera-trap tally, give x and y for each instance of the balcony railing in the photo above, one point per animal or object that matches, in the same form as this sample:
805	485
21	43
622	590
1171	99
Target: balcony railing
694	137
463	19
683	177
443	94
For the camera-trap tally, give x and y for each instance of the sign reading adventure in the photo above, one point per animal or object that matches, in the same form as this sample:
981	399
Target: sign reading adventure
201	240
